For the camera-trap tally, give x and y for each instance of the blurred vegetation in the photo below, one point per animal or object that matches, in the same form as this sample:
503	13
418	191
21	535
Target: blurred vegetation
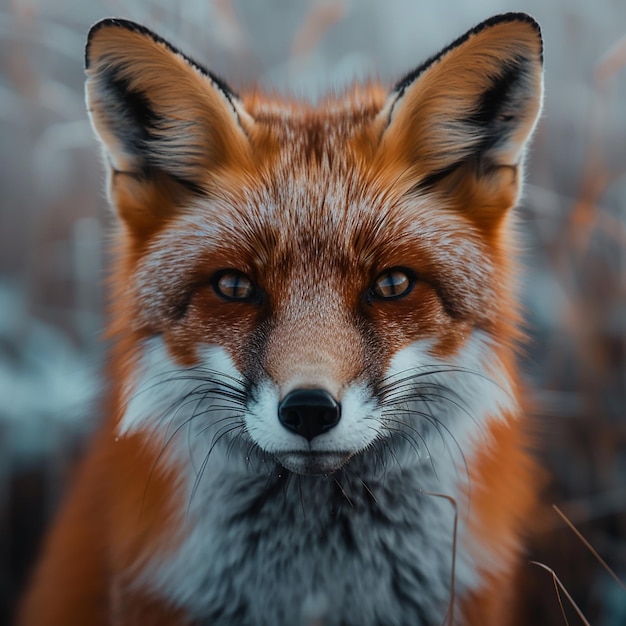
53	221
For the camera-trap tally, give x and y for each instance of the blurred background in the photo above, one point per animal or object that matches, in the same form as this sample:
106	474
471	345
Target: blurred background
54	221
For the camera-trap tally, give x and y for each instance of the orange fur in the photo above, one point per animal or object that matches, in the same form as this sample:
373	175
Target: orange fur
368	167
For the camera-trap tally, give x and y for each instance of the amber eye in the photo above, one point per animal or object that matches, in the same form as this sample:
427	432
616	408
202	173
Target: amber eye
233	285
393	283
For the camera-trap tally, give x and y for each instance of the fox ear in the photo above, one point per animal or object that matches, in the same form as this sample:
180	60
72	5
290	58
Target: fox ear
162	119
469	110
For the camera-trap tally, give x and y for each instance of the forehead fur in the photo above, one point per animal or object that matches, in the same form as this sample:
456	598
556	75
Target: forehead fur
317	207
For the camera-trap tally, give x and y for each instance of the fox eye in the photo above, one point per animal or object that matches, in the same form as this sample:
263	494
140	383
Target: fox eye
393	283
233	285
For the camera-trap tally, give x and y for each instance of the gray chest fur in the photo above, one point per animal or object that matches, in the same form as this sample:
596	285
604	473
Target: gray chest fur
297	550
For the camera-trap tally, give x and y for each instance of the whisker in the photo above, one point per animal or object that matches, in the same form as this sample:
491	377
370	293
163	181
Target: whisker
301	496
406	436
180	404
204	372
391	452
196	484
211	381
426	370
226	418
354	474
374	447
429	417
164	447
439	426
458	447
343	491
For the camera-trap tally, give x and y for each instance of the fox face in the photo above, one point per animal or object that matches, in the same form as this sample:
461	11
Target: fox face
331	255
317	294
318	324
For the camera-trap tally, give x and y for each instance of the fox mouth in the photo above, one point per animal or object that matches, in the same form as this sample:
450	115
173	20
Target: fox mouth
313	463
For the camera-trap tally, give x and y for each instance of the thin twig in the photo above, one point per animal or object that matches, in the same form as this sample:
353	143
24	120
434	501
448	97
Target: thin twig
589	547
556	580
558	597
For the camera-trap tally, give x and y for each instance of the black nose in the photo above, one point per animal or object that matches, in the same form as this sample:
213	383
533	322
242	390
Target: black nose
309	412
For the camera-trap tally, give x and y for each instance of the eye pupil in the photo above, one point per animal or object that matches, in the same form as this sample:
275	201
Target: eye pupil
392	284
234	286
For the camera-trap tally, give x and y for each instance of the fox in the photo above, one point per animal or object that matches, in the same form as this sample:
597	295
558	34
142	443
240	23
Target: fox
314	409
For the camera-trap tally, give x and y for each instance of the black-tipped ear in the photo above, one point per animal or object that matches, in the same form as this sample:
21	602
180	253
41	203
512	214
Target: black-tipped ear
476	101
155	110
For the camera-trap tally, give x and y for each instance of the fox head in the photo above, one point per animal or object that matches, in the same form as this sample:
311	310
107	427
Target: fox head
315	286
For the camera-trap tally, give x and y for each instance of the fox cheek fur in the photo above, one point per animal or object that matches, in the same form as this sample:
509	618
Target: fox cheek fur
315	328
